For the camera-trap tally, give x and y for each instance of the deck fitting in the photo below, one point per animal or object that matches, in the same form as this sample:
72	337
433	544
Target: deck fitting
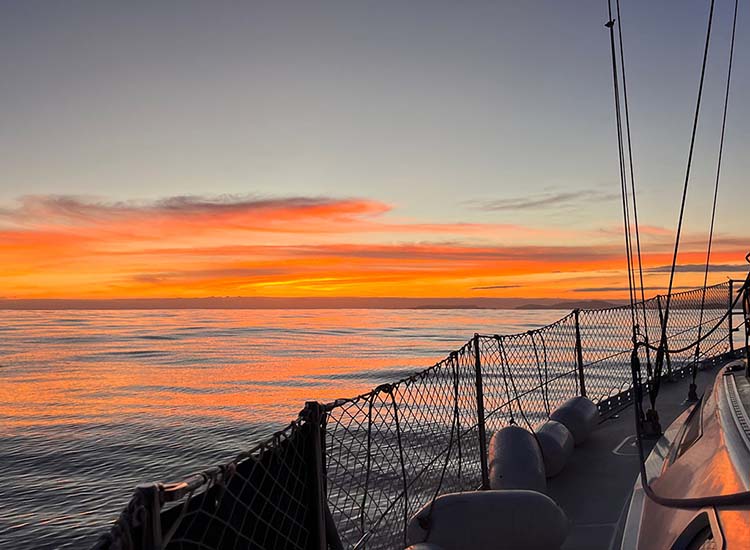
651	428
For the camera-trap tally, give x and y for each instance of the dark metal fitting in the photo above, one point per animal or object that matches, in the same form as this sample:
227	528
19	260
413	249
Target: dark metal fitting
692	393
651	426
385	388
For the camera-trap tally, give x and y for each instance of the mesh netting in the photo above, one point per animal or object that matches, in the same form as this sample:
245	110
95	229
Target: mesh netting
265	498
391	451
362	467
528	375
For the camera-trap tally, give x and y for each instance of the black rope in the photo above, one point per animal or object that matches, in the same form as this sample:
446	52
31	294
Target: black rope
401	460
456	411
716	186
661	324
363	505
501	349
542	384
623	176
546	372
632	181
654	390
504	357
716	500
624	190
685	503
703	337
689	165
425	522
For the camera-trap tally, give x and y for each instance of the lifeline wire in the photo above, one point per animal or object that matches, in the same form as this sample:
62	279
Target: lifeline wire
623	177
654	390
632	180
716	184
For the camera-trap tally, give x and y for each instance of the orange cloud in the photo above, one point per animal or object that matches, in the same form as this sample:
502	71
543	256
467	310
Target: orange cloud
173	216
71	247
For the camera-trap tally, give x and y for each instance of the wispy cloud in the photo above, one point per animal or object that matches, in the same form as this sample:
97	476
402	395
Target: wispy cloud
645	230
545	200
598	289
61	246
698	268
196	216
242	211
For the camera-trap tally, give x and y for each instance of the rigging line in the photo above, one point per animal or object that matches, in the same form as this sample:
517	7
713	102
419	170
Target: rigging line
623	176
689	165
515	389
623	181
716	183
426	522
503	360
732	499
632	177
629	245
714	328
623	184
654	391
628	225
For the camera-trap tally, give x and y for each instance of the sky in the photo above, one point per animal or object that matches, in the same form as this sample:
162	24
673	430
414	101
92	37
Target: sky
339	149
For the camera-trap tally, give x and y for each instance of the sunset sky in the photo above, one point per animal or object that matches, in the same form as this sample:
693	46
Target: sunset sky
339	149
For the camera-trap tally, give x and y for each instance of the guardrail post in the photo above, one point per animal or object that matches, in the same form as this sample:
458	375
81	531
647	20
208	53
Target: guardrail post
314	416
480	415
148	497
579	353
731	315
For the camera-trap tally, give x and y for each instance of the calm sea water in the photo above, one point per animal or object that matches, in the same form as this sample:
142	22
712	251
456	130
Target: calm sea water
94	402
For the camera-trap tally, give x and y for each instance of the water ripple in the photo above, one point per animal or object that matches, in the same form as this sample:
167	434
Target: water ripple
94	402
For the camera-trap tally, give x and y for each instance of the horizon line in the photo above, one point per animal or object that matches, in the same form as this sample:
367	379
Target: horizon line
302	302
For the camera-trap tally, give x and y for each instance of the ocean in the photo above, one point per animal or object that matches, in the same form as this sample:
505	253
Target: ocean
94	402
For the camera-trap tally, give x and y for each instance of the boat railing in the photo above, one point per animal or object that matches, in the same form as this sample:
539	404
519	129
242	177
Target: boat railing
351	473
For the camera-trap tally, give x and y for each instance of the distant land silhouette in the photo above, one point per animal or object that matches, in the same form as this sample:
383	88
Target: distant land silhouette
241	302
572	304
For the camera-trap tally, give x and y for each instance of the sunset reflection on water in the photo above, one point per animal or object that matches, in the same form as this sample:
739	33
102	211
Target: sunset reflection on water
90	399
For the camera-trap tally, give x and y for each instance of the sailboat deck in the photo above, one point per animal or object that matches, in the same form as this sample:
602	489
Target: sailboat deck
595	487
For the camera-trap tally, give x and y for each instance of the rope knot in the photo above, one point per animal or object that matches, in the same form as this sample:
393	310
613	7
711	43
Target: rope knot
385	388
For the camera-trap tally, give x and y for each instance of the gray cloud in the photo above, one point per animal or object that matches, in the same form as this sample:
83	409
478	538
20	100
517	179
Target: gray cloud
700	268
458	251
237	203
544	200
74	208
624	288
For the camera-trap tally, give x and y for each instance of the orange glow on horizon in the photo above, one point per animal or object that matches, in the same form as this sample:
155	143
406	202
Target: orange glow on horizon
55	247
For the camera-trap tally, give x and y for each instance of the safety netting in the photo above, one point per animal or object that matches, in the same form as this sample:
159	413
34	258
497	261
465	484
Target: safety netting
351	473
268	497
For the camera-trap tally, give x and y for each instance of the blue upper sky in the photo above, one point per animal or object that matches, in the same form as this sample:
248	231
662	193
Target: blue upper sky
442	109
